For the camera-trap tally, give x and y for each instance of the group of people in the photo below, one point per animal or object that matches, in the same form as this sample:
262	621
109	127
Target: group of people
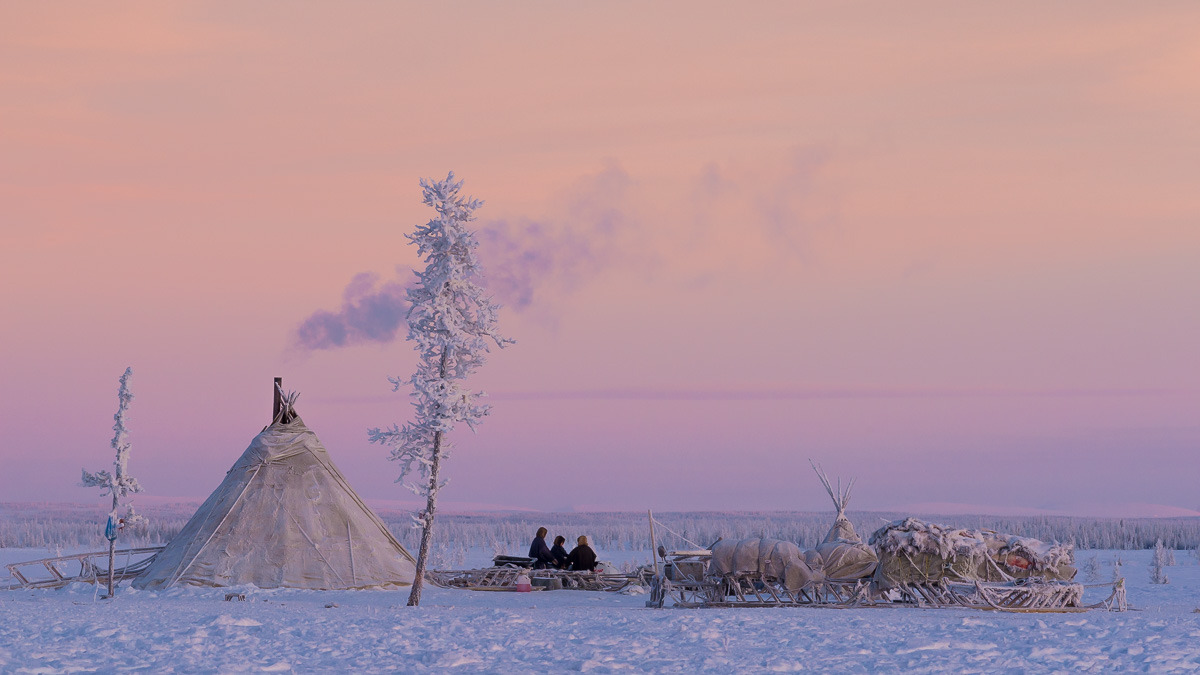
582	557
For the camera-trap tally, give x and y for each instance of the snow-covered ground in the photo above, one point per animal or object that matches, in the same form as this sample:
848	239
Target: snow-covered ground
196	630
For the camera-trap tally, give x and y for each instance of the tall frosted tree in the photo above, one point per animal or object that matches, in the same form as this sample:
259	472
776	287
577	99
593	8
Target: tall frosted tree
452	322
118	483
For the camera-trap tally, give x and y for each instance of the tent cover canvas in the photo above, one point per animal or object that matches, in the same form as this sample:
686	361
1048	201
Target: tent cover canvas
283	517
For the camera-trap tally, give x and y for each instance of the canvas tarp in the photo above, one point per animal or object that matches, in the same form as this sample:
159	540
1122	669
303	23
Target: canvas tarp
772	559
284	516
845	561
843	556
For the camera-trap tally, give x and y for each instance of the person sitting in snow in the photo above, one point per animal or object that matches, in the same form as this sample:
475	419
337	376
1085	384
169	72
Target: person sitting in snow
582	557
540	552
559	553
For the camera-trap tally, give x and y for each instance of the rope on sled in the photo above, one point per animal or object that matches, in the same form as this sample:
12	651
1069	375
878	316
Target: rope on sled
685	539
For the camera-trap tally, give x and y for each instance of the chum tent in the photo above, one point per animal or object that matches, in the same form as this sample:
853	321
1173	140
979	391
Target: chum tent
283	517
843	555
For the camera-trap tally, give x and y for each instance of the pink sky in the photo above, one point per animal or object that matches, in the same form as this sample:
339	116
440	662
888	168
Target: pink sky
952	251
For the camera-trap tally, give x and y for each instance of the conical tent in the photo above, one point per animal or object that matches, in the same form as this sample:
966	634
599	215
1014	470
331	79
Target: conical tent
283	517
842	530
843	555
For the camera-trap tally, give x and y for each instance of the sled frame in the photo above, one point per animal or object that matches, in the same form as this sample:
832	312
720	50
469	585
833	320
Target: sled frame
82	567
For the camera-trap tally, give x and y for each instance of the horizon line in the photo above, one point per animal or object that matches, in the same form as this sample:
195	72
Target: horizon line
793	393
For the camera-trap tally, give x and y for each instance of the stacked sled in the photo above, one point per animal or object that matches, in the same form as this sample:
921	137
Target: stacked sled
905	563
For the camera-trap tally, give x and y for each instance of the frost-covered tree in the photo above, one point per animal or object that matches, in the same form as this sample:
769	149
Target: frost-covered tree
118	483
1158	564
1092	569
453	323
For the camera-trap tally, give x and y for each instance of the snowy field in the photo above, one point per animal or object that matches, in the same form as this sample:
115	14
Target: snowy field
196	630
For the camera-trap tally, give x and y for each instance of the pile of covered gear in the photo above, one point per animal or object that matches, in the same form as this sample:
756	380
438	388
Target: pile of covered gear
912	551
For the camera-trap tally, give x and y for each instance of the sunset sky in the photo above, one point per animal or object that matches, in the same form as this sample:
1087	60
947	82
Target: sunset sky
952	250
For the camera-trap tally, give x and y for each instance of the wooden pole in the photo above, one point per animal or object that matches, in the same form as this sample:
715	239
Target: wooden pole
653	544
112	548
278	393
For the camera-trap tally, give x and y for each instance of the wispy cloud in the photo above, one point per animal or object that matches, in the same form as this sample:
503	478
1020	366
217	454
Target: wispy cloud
777	205
787	205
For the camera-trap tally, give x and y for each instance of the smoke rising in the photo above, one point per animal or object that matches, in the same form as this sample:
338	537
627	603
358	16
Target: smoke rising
607	222
525	259
370	312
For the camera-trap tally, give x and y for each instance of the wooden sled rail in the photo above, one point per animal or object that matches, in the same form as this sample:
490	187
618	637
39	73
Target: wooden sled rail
84	567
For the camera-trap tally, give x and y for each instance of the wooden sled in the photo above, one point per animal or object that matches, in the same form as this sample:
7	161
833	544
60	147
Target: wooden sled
685	584
84	567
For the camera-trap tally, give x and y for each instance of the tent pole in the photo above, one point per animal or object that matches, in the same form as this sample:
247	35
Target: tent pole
278	393
653	544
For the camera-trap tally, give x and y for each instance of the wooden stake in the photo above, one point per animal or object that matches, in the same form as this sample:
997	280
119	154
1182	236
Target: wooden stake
653	544
278	400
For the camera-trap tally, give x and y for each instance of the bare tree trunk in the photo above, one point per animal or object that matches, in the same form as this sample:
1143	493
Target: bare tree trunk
414	596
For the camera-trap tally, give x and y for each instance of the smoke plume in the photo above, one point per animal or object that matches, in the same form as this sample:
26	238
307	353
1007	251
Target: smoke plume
370	312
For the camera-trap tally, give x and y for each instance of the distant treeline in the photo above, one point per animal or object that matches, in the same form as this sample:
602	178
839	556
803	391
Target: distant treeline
631	531
52	525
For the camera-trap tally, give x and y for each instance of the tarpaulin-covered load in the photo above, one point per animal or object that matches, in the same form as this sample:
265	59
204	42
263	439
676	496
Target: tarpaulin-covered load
843	556
283	517
912	551
772	559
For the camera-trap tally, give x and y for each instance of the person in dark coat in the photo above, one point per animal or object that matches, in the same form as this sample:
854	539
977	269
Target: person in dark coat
540	552
559	553
582	557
